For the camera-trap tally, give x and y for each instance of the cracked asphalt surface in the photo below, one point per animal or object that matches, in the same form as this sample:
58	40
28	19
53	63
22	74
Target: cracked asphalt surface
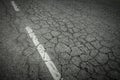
81	36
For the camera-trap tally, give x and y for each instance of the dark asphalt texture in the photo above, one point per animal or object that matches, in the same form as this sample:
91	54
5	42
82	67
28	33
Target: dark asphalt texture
81	36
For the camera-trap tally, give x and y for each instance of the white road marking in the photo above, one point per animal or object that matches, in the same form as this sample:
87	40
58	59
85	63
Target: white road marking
50	65
15	6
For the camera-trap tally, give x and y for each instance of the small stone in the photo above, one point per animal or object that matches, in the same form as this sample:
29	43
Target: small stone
75	51
116	51
96	44
62	48
93	53
30	11
64	40
17	21
42	39
63	61
83	75
55	33
102	58
90	38
34	18
84	57
71	43
69	78
114	74
22	37
113	65
84	49
63	28
70	30
106	44
75	29
44	24
89	30
111	56
83	65
29	51
20	14
105	50
89	46
100	70
49	44
54	40
48	36
94	62
69	25
36	56
78	44
74	69
35	26
76	34
51	53
76	61
65	56
44	30
82	40
90	68
84	33
67	34
99	38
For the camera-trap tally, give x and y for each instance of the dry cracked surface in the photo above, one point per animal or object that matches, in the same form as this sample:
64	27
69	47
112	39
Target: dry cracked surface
81	37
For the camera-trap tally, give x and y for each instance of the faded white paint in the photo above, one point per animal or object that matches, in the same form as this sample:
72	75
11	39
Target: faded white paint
15	6
49	63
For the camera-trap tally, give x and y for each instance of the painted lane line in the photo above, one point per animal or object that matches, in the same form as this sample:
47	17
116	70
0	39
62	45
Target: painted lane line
43	54
29	30
34	39
53	70
49	63
15	6
32	36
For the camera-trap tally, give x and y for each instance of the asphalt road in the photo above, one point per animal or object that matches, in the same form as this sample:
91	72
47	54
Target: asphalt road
82	37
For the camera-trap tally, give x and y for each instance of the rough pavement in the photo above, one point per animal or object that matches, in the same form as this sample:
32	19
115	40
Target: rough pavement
81	36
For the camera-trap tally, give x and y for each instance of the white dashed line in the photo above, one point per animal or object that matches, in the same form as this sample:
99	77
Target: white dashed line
50	65
15	6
